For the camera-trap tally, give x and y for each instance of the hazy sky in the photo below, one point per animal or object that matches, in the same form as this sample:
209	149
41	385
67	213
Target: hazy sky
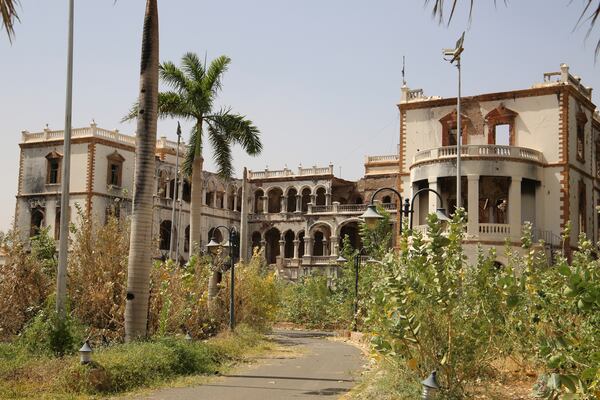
320	78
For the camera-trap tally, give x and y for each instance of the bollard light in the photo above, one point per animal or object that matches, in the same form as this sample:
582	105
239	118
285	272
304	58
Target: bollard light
188	337
85	353
430	386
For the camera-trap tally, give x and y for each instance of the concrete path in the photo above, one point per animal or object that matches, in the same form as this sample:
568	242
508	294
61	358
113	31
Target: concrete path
318	367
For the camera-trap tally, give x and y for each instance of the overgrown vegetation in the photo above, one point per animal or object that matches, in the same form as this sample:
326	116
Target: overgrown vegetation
33	337
120	368
426	309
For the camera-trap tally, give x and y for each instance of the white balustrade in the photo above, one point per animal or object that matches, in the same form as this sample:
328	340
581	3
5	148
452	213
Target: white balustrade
485	150
502	230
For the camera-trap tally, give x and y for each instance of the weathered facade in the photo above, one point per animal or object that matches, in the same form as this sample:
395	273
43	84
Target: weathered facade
102	165
527	155
297	218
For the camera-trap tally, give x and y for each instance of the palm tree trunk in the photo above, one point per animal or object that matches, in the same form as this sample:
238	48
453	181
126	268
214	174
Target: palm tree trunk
196	205
140	250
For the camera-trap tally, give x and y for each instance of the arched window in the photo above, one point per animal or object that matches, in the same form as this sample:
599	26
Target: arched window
318	244
256	239
274	200
291	200
289	244
53	171
186	241
165	235
449	129
272	237
301	244
305	199
501	126
320	200
258	202
114	174
38	215
187	191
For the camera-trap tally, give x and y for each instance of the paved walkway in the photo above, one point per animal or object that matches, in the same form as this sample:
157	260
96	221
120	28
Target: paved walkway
320	367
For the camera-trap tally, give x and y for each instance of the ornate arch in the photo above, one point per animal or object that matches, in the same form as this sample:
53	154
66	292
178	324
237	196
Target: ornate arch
500	116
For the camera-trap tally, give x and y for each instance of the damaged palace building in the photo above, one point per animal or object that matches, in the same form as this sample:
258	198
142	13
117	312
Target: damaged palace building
527	155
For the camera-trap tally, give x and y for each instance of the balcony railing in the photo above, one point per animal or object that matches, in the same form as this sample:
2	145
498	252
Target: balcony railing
502	230
345	208
485	151
286	172
94	131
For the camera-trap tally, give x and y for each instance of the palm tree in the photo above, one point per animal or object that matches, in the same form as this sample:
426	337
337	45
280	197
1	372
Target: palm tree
194	89
8	9
140	248
590	12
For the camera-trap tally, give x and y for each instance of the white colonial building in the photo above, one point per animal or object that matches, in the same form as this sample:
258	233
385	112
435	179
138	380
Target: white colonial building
101	183
527	155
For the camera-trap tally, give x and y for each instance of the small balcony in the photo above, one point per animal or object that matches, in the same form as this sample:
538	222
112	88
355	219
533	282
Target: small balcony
485	159
489	151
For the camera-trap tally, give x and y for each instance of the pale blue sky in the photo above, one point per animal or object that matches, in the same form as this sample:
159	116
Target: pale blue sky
320	78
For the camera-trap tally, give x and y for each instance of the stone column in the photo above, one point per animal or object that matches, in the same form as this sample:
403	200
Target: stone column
265	201
334	246
298	203
203	196
326	249
473	211
282	248
283	204
327	199
308	246
296	247
235	201
263	247
416	214
433	199
514	206
225	200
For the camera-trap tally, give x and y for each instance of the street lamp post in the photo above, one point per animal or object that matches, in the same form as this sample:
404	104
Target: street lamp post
455	56
371	215
233	245
357	263
409	207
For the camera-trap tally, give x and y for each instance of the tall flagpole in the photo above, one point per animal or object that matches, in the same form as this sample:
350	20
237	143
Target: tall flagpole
174	197
455	54
63	247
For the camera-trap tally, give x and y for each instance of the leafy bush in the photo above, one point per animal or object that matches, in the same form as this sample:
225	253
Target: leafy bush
25	280
432	311
48	335
97	274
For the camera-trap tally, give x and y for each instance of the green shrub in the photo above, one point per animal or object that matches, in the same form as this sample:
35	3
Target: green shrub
47	335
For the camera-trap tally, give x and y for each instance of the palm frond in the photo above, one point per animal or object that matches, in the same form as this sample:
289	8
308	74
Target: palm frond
173	76
192	66
8	10
173	105
238	130
212	78
221	147
592	17
132	113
